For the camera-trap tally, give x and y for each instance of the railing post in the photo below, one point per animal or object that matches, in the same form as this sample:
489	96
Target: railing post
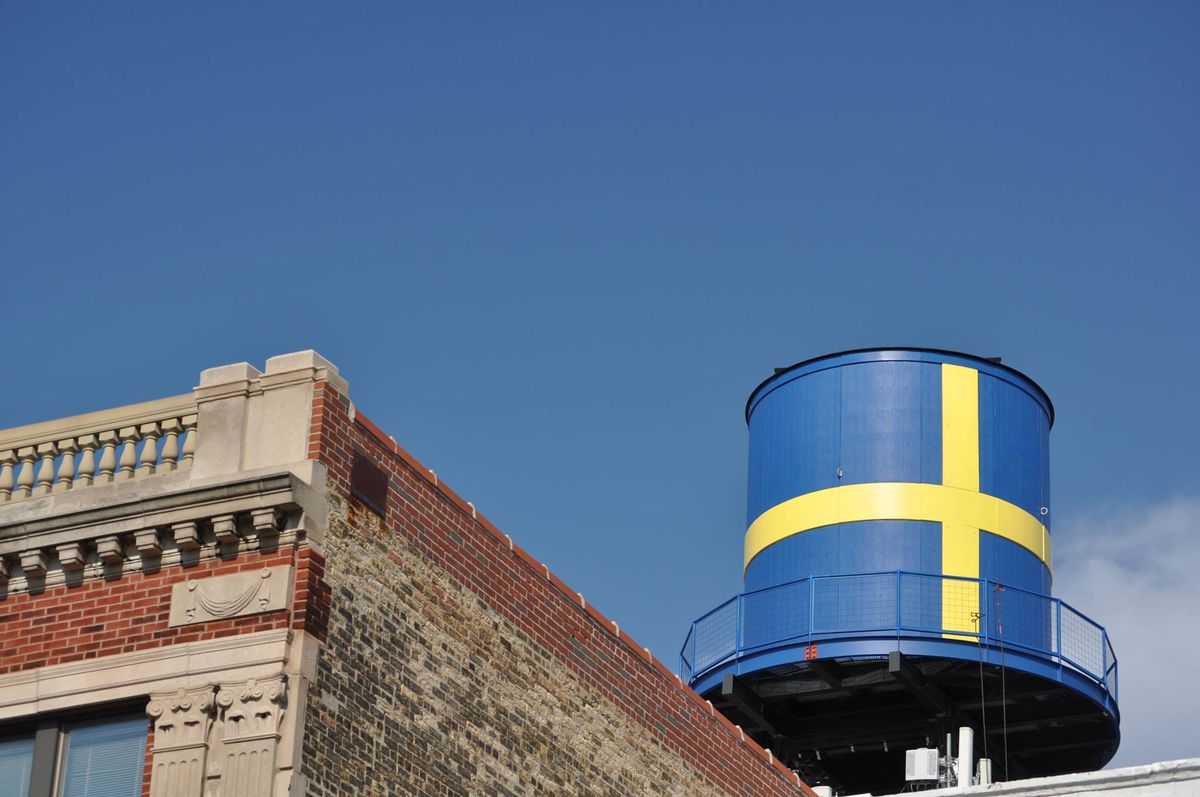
1058	636
737	625
984	623
812	607
1103	660
693	664
898	613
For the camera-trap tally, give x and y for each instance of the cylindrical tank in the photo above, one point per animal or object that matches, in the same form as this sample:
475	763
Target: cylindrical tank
897	569
926	462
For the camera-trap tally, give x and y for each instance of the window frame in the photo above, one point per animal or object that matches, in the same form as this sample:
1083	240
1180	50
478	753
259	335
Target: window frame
50	732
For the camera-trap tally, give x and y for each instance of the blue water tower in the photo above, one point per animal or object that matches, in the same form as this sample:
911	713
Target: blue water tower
897	577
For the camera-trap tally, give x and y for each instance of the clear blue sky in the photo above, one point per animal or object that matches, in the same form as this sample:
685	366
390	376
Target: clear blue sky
553	246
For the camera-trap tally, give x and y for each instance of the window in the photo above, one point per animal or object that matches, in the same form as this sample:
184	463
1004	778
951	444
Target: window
16	762
100	757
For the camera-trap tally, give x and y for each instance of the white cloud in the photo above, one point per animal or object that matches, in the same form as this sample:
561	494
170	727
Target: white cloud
1136	571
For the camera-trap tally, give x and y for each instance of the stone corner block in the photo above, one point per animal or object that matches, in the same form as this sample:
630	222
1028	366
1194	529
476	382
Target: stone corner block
224	374
307	360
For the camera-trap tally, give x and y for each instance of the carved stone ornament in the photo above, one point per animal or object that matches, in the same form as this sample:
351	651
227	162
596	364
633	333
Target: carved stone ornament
181	718
220	597
250	716
254	709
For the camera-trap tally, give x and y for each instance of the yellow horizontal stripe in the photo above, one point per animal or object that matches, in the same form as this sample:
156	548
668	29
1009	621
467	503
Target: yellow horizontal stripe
898	501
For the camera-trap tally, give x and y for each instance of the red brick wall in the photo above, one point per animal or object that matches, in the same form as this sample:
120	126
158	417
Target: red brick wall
449	532
103	618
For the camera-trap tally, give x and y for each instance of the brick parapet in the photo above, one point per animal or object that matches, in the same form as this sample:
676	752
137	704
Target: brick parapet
451	533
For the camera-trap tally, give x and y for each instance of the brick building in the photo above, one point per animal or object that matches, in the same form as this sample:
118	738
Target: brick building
249	589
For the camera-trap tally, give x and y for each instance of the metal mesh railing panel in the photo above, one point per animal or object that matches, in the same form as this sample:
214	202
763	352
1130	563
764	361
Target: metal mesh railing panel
1083	642
1016	617
775	615
908	603
960	606
685	657
854	603
921	602
716	636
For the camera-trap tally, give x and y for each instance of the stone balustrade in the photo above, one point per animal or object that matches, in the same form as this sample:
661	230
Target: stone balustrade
131	442
206	474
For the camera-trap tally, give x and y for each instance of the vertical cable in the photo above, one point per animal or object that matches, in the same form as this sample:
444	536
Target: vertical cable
979	618
1003	679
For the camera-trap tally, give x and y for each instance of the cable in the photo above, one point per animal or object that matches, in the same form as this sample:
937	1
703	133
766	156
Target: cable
979	619
1003	680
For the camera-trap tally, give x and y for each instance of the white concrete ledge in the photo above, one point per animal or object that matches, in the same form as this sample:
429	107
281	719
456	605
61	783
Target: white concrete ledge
1164	779
188	666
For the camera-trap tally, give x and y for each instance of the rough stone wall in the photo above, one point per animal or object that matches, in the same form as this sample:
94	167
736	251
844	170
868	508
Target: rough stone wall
457	664
424	690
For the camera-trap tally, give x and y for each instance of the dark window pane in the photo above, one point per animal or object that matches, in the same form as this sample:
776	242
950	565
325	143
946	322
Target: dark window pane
104	758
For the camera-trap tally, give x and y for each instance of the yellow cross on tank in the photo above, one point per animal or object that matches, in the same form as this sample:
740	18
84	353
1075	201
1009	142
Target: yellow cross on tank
957	504
960	469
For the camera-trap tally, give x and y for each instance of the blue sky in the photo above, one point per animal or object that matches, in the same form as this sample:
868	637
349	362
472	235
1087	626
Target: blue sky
554	247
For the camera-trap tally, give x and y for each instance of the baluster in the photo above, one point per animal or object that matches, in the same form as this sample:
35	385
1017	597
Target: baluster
129	438
66	468
7	460
87	460
149	457
189	443
170	451
108	456
45	477
27	456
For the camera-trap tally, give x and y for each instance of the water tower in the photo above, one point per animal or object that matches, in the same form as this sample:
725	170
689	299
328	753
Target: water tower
897	576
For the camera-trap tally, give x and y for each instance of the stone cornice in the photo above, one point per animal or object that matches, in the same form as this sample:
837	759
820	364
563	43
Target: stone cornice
107	511
94	537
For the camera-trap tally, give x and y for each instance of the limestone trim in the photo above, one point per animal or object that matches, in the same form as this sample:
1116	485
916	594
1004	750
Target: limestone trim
182	723
261	655
244	759
70	454
254	419
95	422
192	524
219	739
233	595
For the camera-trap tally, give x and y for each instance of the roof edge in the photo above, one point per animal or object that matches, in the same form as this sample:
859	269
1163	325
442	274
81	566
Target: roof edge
989	362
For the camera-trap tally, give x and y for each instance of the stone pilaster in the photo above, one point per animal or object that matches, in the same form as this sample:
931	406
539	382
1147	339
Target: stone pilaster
244	760
182	723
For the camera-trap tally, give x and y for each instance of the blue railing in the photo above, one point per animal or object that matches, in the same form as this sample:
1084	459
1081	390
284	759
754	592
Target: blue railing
905	605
